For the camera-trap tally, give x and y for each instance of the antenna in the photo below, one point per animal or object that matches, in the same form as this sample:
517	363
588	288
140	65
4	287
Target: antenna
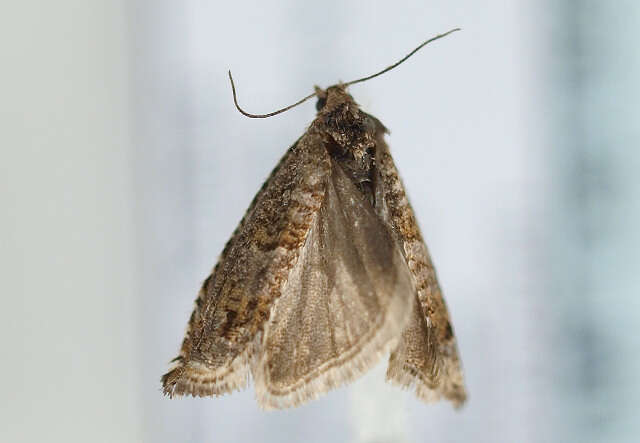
352	82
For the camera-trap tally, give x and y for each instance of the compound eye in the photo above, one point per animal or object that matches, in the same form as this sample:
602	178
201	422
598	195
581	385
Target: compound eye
320	103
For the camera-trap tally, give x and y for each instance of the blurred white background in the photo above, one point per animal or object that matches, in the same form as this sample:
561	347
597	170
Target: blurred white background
125	168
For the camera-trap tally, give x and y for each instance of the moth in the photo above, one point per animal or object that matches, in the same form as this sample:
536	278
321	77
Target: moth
326	273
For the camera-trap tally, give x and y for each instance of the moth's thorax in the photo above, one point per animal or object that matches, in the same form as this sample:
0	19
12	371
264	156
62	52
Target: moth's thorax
339	117
350	134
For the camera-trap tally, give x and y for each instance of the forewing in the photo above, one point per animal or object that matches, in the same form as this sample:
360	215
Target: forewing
236	300
344	305
426	357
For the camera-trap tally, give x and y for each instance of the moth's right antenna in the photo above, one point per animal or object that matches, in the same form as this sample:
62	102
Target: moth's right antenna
271	114
389	68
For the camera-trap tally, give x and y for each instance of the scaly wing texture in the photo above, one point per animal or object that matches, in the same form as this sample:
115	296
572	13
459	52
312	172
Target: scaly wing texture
235	302
344	305
427	356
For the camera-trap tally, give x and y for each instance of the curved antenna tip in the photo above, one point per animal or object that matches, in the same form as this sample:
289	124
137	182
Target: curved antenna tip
389	68
271	114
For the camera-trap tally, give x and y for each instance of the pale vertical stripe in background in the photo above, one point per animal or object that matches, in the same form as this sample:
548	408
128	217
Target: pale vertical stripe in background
70	310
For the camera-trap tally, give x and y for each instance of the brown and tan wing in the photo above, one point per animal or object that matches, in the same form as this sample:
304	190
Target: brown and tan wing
426	357
345	303
235	302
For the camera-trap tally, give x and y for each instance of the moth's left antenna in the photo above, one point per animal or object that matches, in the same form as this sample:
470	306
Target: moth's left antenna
271	114
402	60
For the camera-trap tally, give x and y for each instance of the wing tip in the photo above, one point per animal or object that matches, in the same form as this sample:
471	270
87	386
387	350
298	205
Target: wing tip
270	398
197	380
447	384
338	373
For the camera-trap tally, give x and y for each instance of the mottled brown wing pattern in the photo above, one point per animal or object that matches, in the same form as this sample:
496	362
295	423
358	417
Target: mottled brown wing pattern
344	305
427	356
326	272
235	301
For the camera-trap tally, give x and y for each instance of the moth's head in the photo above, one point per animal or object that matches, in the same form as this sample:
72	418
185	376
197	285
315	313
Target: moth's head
334	98
340	118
